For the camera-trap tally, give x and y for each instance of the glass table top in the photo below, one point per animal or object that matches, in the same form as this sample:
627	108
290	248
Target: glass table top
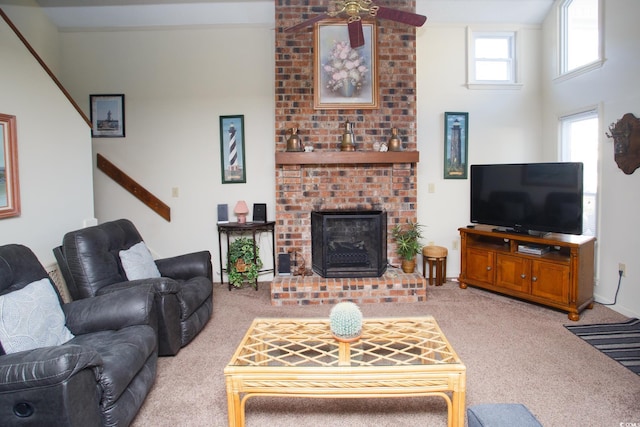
280	342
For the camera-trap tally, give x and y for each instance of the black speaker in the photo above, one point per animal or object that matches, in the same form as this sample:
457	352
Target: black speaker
284	264
223	213
259	212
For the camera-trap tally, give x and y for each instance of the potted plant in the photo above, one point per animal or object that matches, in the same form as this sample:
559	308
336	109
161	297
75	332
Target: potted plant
244	265
345	320
408	244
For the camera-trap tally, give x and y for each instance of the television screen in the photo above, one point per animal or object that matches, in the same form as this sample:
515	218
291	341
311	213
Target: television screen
528	197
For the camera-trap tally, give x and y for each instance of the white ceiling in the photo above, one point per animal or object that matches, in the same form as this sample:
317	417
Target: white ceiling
77	14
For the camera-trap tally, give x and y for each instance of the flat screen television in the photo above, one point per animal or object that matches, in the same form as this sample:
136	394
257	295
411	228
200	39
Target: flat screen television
530	198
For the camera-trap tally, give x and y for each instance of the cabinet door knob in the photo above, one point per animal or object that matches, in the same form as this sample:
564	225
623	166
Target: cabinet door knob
488	268
534	278
523	276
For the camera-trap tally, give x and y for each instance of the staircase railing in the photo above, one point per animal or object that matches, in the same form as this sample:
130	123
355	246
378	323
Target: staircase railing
44	66
137	190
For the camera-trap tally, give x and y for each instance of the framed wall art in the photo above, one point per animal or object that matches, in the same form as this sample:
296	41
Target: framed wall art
344	78
107	116
456	139
9	188
232	154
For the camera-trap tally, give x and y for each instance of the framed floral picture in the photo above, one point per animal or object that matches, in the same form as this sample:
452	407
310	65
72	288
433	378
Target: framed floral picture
344	78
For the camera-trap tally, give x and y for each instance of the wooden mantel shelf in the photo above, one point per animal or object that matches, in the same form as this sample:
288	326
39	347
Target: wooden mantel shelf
348	157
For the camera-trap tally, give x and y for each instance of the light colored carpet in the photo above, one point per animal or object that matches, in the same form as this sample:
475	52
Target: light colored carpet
514	352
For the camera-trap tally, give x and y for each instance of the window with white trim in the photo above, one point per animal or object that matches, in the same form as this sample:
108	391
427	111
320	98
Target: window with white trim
492	57
580	43
579	143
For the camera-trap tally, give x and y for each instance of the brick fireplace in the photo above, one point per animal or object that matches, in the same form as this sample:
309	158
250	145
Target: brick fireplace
328	179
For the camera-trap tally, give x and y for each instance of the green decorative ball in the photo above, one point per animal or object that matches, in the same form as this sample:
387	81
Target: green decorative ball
346	320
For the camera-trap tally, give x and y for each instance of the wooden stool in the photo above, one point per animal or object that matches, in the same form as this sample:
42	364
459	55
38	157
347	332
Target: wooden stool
435	256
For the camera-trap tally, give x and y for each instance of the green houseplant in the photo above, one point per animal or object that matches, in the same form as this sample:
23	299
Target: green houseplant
243	265
407	238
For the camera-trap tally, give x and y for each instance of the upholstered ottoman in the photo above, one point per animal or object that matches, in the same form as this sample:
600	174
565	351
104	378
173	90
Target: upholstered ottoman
501	415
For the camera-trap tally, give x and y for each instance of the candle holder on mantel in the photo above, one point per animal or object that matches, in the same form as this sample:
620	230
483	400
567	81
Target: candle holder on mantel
347	138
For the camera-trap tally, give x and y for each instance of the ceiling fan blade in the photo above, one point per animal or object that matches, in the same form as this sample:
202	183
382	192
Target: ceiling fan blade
306	23
356	36
408	18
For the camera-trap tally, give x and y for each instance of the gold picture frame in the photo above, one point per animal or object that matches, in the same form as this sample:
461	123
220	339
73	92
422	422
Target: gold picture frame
344	78
9	188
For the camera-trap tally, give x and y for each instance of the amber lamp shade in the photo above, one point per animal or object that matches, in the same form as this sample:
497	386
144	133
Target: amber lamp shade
241	210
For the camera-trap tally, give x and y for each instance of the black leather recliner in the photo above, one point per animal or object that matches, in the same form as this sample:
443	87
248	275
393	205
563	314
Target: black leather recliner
99	377
90	264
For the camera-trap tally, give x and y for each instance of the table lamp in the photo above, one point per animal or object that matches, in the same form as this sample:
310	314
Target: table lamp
241	210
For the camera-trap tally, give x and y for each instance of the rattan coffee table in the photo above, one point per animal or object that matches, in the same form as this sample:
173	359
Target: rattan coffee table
396	357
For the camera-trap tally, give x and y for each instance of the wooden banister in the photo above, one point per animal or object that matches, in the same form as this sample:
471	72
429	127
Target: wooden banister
113	172
44	66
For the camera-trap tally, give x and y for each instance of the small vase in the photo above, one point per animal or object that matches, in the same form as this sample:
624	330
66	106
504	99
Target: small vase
293	142
408	266
348	89
394	142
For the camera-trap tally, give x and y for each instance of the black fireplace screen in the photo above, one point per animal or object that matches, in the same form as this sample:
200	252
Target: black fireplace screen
349	243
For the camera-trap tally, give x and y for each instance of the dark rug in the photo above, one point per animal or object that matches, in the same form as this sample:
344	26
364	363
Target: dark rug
619	341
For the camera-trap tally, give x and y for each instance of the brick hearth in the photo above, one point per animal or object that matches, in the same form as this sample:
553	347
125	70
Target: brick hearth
301	188
393	286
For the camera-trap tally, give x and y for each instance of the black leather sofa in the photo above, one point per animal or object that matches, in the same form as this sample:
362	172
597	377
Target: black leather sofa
90	264
101	376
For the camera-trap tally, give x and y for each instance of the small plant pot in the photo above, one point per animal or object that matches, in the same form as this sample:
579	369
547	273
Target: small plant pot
408	266
241	267
347	339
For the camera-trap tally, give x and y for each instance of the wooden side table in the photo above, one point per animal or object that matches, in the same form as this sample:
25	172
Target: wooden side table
435	256
252	228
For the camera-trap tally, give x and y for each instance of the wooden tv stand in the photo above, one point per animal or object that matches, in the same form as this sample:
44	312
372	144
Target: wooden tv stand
561	278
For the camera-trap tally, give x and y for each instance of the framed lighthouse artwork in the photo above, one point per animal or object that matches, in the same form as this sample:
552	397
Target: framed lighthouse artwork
107	116
456	145
232	157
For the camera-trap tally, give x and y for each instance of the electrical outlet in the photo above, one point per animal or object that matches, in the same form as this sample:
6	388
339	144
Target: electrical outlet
431	187
175	192
454	245
622	267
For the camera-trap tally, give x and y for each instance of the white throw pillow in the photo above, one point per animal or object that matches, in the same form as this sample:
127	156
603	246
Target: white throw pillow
138	263
31	317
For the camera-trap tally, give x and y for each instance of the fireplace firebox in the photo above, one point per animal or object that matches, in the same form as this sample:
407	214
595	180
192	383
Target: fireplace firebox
349	243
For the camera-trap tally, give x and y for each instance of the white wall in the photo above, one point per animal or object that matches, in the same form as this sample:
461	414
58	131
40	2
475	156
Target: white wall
614	89
56	186
34	25
177	83
504	125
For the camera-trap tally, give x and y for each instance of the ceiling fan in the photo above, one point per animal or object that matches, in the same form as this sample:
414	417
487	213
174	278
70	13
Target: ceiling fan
354	10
